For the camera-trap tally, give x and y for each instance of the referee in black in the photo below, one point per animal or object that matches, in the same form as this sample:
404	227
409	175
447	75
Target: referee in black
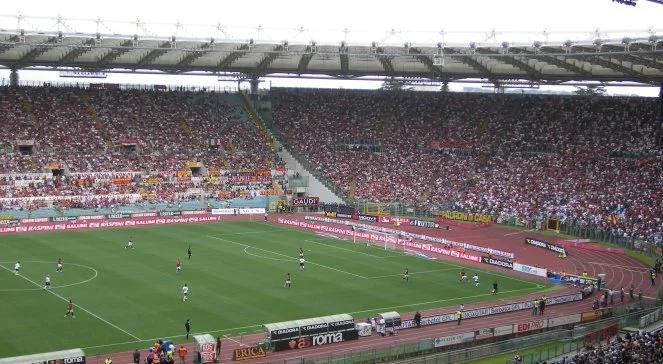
187	327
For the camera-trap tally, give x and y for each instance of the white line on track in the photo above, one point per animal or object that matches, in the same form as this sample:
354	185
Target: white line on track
518	232
286	256
173	336
625	267
440	300
78	306
233	340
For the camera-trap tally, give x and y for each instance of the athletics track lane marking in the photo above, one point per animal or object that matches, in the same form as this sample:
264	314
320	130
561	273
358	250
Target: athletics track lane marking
286	256
78	306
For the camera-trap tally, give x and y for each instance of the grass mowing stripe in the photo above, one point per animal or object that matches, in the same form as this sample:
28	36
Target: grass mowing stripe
78	306
283	255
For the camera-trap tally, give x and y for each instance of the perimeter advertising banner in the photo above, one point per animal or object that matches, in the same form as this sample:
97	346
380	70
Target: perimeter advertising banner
545	245
541	272
316	340
497	262
453	339
530	325
465	216
490	311
564	320
305	201
248	353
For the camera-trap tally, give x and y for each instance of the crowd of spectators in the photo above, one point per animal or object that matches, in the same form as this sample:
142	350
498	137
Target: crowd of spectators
90	130
109	142
593	160
642	347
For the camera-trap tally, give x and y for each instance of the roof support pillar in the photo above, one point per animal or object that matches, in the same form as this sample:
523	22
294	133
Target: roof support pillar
13	78
254	85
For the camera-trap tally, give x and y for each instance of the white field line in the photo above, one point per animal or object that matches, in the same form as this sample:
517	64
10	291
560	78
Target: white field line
78	306
286	256
441	261
354	251
246	250
52	287
625	267
413	273
257	326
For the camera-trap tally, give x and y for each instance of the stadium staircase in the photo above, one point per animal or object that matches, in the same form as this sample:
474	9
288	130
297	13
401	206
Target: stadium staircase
317	185
98	123
257	121
26	104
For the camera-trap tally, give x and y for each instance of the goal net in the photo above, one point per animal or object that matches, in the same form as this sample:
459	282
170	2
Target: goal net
372	237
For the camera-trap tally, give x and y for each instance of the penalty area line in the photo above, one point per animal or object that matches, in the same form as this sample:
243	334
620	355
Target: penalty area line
286	256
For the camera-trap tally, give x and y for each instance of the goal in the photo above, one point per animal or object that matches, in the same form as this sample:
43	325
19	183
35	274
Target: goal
373	237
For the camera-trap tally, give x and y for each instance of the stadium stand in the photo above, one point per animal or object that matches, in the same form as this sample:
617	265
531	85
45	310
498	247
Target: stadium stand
123	146
642	347
594	160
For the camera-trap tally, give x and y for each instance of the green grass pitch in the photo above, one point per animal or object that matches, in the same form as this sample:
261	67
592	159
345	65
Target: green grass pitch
126	298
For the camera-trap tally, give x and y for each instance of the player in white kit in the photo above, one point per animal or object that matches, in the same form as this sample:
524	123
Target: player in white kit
185	292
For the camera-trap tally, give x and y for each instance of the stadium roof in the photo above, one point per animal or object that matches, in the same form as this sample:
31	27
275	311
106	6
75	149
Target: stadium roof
617	60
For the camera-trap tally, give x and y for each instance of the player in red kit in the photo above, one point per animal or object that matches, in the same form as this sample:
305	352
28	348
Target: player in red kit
178	266
58	267
70	309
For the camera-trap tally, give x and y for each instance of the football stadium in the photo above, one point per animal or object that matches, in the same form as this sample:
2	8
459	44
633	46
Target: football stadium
180	191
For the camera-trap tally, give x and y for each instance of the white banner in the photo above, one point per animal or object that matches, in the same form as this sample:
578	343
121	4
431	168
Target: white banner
490	311
541	272
530	325
249	211
364	329
650	318
503	330
454	339
483	334
223	211
564	320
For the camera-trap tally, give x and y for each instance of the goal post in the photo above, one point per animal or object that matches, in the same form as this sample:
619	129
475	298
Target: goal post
374	237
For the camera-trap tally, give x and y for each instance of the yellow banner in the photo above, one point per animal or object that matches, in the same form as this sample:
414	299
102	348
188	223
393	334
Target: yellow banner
465	216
